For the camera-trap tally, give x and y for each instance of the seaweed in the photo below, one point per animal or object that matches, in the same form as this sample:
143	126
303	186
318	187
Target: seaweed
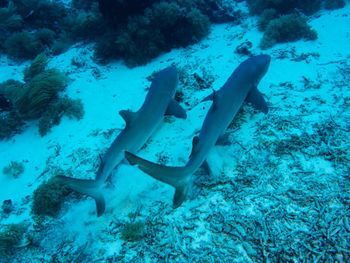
37	66
334	4
287	28
163	26
48	198
9	20
10	237
7	207
265	18
284	6
14	169
37	98
10	124
40	92
41	13
133	231
63	107
22	45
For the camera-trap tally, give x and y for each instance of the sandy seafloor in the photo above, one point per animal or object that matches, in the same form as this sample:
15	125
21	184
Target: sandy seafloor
279	192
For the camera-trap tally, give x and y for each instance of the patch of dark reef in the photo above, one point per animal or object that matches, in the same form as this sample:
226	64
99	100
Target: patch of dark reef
37	98
287	20
134	31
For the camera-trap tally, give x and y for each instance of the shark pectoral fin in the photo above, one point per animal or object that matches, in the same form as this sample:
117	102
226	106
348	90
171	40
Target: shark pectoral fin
180	195
86	187
256	98
224	140
175	109
128	116
195	143
209	97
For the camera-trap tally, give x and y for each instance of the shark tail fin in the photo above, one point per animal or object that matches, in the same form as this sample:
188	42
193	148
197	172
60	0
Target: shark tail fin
87	187
178	177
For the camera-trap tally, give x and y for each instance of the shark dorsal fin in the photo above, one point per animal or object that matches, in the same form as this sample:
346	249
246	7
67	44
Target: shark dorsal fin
257	100
128	116
195	142
175	109
209	97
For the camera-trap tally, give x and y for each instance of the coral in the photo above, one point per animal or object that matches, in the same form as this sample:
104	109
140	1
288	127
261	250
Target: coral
334	4
163	26
39	92
41	13
10	237
48	198
133	231
7	206
14	169
22	45
116	12
265	18
37	98
287	28
284	6
64	106
9	20
85	25
36	67
45	37
10	124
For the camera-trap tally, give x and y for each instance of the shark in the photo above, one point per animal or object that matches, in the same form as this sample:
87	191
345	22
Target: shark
138	128
240	87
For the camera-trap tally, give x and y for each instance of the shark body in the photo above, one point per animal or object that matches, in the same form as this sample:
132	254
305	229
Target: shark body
138	128
240	87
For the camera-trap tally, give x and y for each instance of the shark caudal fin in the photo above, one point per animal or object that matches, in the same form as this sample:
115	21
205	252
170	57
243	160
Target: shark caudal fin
178	177
87	187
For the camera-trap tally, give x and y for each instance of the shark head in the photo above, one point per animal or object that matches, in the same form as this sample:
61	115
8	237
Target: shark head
167	79
260	66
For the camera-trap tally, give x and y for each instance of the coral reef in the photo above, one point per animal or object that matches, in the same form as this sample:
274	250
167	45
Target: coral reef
11	237
37	98
164	26
14	169
10	124
48	198
334	4
284	6
133	231
287	28
73	109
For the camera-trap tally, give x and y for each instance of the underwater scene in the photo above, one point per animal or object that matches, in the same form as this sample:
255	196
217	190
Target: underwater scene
174	131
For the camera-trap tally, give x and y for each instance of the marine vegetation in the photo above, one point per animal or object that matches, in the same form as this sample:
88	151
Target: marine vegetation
71	108
286	20
133	231
10	238
163	26
287	28
135	31
48	198
284	6
14	169
38	97
334	4
10	124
